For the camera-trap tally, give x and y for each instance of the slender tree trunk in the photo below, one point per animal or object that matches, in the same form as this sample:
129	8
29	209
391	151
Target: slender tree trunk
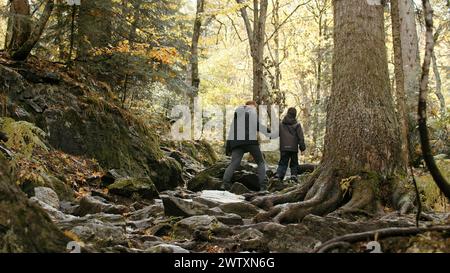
259	88
276	40
72	32
24	50
407	72
438	80
60	35
318	99
256	37
439	179
195	78
19	25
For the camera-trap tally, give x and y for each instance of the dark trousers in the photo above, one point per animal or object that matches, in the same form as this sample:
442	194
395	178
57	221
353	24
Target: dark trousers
287	159
236	158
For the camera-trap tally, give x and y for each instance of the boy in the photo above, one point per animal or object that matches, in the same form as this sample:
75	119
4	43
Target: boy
291	140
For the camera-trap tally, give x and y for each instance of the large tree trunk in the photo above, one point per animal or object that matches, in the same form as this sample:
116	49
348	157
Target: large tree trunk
22	52
362	143
362	129
407	72
94	26
19	25
24	227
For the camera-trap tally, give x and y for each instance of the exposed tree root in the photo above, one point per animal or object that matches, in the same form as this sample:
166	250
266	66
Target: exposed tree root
296	194
323	196
325	192
376	234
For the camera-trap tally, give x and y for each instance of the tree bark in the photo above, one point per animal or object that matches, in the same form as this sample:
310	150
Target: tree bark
24	50
256	37
195	78
438	80
407	72
19	25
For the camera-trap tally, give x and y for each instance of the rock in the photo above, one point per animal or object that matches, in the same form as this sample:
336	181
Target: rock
215	198
141	224
186	227
21	114
211	178
166	248
161	229
174	206
63	191
147	212
25	227
144	187
239	188
252	240
47	195
94	204
68	207
230	219
110	219
215	211
100	233
110	177
54	213
243	209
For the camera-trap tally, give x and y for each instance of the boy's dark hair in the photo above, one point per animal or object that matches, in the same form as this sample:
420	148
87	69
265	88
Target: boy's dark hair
292	112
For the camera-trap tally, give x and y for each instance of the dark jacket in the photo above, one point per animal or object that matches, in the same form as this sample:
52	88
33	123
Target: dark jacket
244	129
291	135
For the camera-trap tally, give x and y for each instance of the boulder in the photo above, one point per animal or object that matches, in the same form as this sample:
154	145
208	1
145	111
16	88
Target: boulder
27	226
144	187
186	227
243	209
141	224
174	206
100	234
211	178
214	198
110	177
79	122
47	195
147	212
230	219
95	204
238	188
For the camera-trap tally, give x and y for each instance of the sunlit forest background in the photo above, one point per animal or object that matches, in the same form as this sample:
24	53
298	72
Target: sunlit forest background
297	61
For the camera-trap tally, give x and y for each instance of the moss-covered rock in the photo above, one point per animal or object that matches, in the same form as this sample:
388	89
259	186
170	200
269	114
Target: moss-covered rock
63	190
128	187
81	119
24	227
